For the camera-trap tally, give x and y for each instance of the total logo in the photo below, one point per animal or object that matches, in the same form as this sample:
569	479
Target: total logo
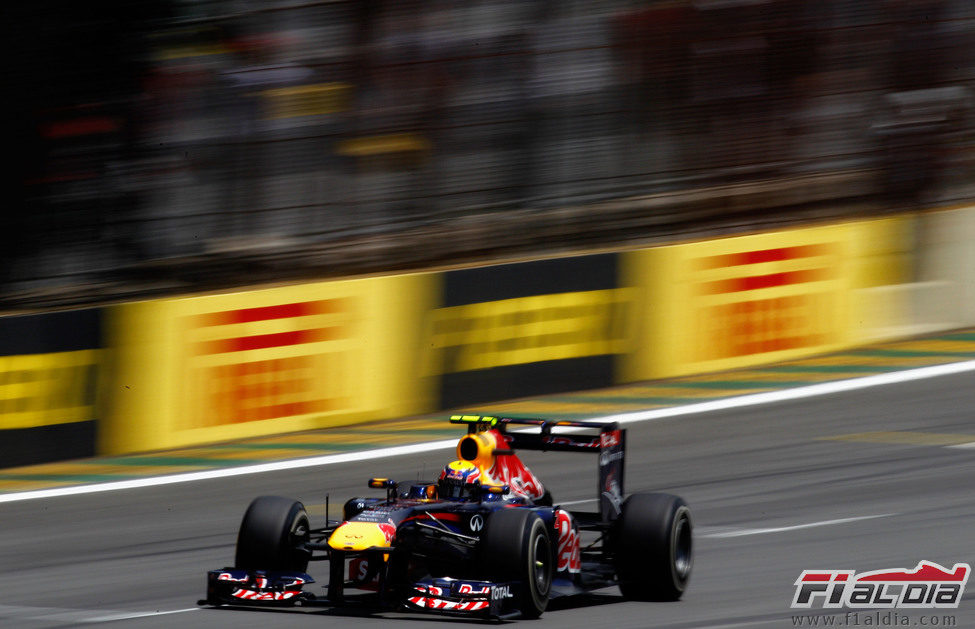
928	585
499	592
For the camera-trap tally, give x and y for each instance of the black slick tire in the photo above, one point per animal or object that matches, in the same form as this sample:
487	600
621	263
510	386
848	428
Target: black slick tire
652	544
271	535
516	546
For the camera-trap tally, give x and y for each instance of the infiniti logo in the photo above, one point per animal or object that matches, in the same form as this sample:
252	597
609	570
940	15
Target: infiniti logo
477	523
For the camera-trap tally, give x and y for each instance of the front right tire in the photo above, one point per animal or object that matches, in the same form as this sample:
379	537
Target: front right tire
272	535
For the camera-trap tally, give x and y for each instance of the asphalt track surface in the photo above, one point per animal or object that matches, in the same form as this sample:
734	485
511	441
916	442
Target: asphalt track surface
775	489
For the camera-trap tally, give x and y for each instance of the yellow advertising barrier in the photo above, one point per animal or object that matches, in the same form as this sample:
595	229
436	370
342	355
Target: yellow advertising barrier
47	389
213	368
741	301
531	329
230	366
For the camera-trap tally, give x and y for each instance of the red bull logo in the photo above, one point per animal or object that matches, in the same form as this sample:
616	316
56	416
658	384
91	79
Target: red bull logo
509	470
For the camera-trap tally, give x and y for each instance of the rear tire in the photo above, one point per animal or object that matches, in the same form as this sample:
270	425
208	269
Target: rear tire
272	534
516	546
652	545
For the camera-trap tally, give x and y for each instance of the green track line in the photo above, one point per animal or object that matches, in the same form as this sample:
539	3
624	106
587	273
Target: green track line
314	447
909	353
738	384
834	369
173	461
624	399
64	478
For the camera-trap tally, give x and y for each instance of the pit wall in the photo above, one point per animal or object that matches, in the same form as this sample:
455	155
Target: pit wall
176	372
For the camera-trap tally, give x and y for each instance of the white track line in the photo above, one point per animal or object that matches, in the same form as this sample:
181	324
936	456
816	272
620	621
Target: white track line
275	466
784	395
131	615
73	617
794	527
755	399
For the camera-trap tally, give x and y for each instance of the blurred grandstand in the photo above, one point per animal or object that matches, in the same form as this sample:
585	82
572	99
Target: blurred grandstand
184	145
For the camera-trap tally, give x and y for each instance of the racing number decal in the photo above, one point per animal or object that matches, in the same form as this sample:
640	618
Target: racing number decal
569	558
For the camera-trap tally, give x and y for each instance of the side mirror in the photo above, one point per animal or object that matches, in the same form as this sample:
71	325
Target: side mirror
384	483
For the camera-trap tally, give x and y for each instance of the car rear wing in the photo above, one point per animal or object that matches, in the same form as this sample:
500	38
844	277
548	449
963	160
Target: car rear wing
609	442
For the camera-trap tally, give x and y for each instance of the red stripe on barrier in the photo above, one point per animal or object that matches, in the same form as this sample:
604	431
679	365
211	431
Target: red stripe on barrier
270	313
772	280
266	341
778	254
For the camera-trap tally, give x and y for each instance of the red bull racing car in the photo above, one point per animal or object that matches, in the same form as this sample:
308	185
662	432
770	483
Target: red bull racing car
486	539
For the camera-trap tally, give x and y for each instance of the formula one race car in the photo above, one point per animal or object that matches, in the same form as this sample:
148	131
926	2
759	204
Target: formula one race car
484	540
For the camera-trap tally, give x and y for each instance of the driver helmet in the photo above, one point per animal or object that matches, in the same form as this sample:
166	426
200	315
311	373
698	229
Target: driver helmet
459	480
